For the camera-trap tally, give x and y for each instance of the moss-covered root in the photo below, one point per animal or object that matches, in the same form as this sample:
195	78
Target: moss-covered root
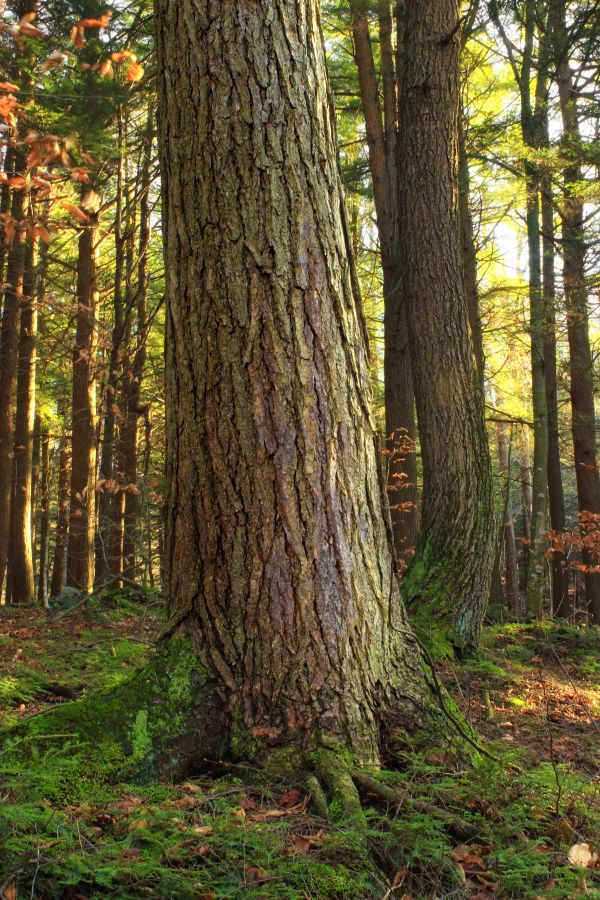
334	773
164	721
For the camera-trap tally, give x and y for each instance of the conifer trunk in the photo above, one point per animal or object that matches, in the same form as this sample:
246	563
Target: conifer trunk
277	547
61	532
42	589
560	577
382	136
583	415
80	555
449	580
22	582
9	351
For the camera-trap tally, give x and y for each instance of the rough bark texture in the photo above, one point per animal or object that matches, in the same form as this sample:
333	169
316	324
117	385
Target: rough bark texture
450	576
80	557
381	127
22	582
9	348
583	417
277	545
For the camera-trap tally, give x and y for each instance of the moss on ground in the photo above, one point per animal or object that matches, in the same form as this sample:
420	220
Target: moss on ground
72	824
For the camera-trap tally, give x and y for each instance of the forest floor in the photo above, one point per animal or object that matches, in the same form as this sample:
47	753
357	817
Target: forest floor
533	696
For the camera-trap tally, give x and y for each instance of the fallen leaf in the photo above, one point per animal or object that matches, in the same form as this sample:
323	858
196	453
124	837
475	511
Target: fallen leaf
581	856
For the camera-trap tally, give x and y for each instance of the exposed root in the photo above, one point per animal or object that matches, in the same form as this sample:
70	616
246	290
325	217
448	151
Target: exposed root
335	774
457	827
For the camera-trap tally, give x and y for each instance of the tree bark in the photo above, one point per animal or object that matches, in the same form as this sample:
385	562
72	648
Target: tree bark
22	582
9	351
469	256
381	130
42	589
449	580
583	416
61	533
80	556
104	536
511	572
277	549
560	575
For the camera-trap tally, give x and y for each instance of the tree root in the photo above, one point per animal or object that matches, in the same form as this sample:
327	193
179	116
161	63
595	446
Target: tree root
344	784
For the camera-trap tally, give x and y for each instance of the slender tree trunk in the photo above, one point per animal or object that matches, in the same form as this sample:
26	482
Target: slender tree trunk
381	132
449	580
135	372
80	557
583	421
107	486
36	459
59	566
560	578
526	480
511	572
9	350
22	582
277	549
42	590
469	256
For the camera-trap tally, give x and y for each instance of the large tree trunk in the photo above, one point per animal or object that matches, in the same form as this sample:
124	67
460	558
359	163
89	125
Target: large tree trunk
583	416
22	582
382	136
449	579
80	557
277	547
9	350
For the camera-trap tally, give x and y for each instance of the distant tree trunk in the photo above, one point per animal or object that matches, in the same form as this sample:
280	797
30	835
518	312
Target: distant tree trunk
59	566
80	557
576	299
104	536
382	132
530	67
9	350
449	579
135	371
560	578
36	459
22	582
511	572
526	504
42	590
278	554
469	255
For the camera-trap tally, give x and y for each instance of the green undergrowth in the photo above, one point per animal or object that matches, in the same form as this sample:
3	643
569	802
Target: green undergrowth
72	825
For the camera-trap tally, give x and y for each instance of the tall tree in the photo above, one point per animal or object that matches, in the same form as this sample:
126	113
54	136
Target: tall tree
80	558
530	70
278	555
381	129
583	416
449	580
9	350
22	582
